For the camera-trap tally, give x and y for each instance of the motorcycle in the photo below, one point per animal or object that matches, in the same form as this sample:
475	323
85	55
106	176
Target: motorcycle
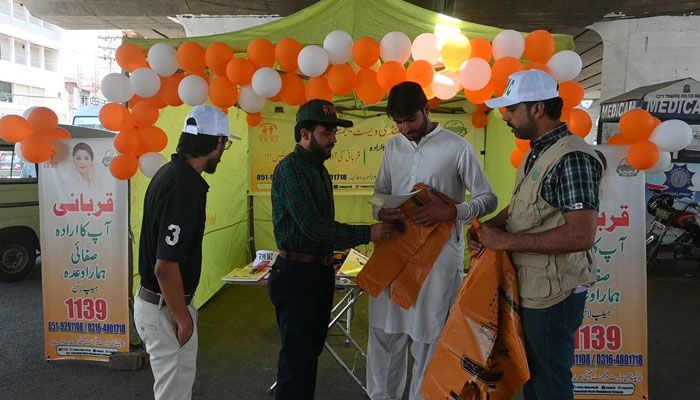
675	220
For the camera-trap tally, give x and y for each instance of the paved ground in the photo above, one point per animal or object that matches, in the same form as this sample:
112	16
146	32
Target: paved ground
239	343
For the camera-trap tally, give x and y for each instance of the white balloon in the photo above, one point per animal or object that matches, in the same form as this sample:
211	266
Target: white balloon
672	135
266	82
445	84
249	101
425	47
162	58
28	111
313	61
193	90
115	87
395	46
144	82
150	163
661	165
475	74
338	46
508	43
565	65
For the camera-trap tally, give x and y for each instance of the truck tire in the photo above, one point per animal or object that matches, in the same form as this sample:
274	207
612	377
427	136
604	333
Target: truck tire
17	258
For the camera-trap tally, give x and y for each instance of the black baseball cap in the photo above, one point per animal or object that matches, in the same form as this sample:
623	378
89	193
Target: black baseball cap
321	111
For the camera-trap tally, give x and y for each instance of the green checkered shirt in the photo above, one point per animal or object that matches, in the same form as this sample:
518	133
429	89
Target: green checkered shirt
573	183
303	212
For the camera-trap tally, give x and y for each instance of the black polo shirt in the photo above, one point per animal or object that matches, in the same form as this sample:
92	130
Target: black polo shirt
172	229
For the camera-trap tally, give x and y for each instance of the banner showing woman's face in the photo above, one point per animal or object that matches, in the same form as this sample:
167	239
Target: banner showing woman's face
83	157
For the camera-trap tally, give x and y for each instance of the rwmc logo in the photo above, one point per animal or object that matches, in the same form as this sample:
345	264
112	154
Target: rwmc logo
509	86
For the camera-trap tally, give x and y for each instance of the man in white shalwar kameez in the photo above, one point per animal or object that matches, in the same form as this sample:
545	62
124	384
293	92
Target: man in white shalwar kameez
426	153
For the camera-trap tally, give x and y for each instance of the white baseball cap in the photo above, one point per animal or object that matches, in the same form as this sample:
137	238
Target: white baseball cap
208	120
532	85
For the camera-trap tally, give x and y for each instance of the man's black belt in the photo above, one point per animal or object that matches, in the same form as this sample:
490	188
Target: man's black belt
307	258
155	298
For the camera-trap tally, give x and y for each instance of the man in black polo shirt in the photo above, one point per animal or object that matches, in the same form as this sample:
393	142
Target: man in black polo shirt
170	253
302	279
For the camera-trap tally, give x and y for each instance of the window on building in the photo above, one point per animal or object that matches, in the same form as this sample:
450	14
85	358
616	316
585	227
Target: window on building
6	92
50	59
84	97
38	95
18	11
36	56
21	94
5	48
20	52
5	7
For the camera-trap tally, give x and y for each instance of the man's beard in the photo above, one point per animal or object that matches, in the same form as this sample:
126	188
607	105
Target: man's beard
318	150
418	134
526	131
210	168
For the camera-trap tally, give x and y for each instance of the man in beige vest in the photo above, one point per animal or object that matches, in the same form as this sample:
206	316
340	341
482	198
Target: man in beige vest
548	228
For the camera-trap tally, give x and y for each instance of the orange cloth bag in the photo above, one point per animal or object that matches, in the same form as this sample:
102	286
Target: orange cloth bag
481	352
405	260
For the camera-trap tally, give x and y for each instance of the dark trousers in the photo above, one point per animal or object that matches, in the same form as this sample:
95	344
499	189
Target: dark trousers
549	343
302	294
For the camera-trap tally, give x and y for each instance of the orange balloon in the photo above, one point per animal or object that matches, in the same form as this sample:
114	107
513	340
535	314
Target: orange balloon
516	158
253	119
619	140
287	52
136	98
317	88
60	133
223	93
261	52
240	71
479	119
539	46
368	89
341	79
144	113
124	166
643	154
130	57
127	142
428	90
434	103
565	116
157	102
43	120
37	148
537	65
479	96
115	117
190	56
293	91
421	72
482	108
571	92
501	70
153	139
169	89
502	110
365	52
390	74
481	48
657	122
217	55
522	144
14	128
637	124
580	122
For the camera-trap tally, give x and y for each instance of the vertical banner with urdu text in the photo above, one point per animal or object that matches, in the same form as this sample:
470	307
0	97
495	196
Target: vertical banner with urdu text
611	345
84	252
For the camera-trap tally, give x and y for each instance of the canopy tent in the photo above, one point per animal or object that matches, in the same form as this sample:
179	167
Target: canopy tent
237	220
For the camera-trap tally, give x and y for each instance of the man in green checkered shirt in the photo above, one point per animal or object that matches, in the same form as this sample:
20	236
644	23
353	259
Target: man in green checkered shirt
302	279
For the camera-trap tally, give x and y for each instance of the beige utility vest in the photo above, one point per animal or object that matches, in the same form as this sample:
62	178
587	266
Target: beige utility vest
545	279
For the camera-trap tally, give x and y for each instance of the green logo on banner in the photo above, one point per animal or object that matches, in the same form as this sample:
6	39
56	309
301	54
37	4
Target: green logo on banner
509	86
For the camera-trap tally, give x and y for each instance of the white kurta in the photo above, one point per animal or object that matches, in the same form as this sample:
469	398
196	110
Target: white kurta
446	162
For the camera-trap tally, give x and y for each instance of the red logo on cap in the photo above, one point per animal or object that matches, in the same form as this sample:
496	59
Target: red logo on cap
329	110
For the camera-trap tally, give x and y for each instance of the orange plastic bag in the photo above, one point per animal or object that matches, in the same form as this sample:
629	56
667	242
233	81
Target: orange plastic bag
405	260
481	353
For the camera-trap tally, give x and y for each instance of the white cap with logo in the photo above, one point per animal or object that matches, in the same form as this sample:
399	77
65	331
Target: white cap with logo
208	120
532	85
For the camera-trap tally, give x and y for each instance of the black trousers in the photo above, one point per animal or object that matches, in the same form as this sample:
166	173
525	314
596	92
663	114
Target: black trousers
302	294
